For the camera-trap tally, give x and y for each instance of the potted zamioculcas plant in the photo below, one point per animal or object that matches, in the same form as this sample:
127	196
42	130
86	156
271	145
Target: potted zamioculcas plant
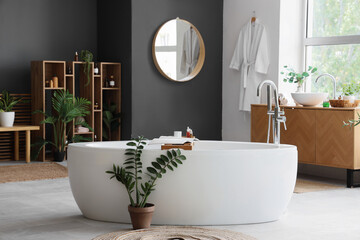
67	108
350	90
7	102
130	176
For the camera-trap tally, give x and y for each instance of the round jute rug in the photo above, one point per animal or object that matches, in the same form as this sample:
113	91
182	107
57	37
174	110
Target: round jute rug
175	233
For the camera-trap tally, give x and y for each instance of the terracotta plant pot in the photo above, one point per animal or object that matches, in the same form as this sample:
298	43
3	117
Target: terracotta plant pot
141	217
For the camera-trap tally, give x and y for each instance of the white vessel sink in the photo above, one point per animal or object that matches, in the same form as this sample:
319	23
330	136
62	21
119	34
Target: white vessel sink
309	99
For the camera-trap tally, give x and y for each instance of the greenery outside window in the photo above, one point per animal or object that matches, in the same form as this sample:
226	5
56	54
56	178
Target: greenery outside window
332	42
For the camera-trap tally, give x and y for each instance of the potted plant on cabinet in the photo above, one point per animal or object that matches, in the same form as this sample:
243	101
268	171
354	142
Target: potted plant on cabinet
130	176
7	102
350	90
291	76
67	108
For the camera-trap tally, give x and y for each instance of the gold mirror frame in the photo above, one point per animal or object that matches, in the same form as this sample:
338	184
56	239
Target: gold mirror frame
199	64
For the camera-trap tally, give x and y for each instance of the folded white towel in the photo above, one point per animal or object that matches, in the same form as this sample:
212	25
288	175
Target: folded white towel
171	140
82	130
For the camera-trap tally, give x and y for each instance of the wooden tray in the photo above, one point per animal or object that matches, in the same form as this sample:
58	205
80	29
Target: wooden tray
344	103
185	146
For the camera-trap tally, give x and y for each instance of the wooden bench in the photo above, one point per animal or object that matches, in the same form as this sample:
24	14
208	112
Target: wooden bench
16	129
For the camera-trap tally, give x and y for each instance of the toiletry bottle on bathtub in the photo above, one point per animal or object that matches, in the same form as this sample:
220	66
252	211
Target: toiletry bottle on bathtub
188	132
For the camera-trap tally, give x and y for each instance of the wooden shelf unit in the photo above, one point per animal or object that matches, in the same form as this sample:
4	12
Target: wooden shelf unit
95	92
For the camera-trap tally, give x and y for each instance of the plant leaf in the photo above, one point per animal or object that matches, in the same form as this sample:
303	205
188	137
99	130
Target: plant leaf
164	158
182	157
156	165
152	170
160	161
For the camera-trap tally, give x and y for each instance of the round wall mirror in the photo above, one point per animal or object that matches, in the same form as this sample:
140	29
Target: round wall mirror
178	50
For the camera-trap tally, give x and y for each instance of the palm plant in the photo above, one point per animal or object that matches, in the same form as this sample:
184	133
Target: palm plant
7	102
130	174
67	108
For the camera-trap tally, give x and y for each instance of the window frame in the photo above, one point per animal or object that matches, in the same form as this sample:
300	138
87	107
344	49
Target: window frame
322	41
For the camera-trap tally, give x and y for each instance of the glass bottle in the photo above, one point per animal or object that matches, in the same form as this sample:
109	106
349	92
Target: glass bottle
112	81
96	69
76	57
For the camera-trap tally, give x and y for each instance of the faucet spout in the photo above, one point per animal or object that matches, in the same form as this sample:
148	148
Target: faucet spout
276	115
269	83
332	78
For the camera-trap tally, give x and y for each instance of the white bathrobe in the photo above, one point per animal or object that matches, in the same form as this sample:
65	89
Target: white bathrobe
252	60
190	52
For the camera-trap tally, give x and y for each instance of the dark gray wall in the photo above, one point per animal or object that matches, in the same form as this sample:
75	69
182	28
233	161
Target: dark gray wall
160	106
121	31
42	30
114	44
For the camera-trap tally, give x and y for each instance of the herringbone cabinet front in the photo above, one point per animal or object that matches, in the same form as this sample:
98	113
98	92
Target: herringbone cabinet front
318	133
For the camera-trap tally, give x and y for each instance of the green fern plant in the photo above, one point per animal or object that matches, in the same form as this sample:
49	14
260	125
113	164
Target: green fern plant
87	57
66	108
130	173
7	102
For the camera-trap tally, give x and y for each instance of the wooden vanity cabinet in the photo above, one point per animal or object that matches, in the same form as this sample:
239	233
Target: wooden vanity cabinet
336	144
301	132
259	123
318	133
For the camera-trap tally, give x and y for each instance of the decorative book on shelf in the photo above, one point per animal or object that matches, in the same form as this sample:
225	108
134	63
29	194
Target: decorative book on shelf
70	75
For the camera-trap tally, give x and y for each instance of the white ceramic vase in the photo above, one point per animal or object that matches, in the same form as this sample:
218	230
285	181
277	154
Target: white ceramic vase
351	98
7	119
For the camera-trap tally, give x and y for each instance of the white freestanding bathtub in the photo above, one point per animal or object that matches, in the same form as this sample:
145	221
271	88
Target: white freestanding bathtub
219	183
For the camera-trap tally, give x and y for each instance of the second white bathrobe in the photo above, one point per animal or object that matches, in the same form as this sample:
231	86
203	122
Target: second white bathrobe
252	60
190	52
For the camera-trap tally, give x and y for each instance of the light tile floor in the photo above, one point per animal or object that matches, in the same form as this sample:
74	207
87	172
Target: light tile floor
47	210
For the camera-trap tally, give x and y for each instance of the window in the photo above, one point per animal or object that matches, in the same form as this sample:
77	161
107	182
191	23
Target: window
332	41
166	48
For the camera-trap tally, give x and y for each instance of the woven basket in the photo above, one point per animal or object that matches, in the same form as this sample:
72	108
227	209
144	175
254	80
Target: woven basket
344	103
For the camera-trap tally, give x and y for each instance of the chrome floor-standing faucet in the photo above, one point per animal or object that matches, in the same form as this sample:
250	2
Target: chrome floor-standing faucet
276	115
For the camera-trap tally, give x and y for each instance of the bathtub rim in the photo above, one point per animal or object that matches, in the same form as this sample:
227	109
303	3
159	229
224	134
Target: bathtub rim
274	147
